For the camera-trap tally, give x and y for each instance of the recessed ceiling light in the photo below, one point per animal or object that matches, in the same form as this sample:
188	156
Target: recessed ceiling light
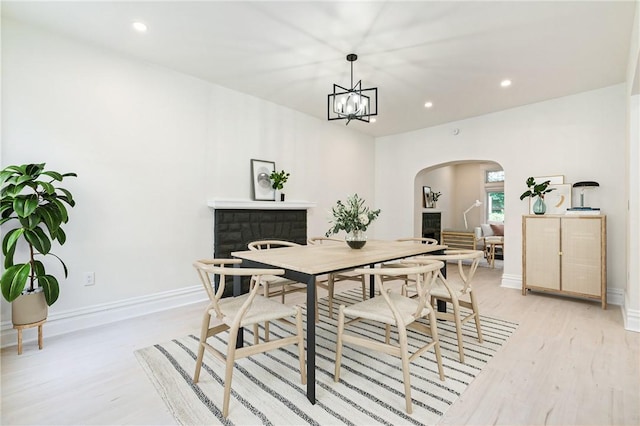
428	104
505	83
139	26
373	120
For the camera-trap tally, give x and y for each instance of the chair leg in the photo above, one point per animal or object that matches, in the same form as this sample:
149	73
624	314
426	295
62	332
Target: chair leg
476	313
228	375
266	331
256	337
434	335
456	316
404	354
303	370
387	333
203	338
336	377
364	287
330	288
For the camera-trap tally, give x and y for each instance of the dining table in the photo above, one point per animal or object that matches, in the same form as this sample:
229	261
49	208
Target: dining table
305	263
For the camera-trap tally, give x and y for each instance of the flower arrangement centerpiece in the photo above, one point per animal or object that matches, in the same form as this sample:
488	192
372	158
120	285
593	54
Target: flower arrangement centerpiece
537	190
352	217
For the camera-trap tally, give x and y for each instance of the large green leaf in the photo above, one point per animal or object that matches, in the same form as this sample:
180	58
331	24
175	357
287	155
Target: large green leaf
55	175
64	218
67	197
48	188
64	267
38	267
14	280
8	251
51	219
24	205
10	240
61	236
38	239
33	169
49	284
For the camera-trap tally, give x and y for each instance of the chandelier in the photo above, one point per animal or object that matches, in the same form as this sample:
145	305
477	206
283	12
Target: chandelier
355	103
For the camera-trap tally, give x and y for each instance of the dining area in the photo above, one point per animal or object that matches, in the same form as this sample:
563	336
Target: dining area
399	275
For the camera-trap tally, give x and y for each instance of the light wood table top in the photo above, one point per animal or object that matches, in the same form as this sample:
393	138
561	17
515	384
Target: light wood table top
323	258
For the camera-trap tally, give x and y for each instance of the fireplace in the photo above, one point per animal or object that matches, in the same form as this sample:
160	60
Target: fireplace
431	225
236	223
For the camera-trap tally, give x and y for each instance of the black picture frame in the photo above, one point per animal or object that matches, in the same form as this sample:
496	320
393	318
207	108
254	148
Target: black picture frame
260	182
426	197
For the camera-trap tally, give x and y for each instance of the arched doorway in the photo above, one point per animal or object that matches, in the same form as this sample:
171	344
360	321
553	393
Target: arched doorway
459	186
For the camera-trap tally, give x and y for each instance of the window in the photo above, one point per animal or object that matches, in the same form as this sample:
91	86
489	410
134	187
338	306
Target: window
495	206
494	176
494	187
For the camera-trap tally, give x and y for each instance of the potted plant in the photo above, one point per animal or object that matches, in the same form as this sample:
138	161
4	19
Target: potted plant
434	198
352	217
278	179
537	190
30	199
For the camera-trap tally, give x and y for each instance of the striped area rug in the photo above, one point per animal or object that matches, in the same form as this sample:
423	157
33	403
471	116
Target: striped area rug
266	388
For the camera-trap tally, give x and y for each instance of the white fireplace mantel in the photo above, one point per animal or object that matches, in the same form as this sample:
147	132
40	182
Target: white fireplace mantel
259	205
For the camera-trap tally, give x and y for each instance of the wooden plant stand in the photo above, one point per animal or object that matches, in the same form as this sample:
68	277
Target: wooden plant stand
23	326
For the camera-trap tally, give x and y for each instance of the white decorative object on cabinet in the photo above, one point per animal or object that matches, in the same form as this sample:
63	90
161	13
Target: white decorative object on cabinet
565	255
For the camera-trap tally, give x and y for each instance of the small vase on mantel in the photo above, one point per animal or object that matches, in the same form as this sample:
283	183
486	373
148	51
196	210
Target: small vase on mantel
356	239
539	207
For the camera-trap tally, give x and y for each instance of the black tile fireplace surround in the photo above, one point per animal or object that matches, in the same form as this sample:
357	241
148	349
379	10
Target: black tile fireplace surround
235	228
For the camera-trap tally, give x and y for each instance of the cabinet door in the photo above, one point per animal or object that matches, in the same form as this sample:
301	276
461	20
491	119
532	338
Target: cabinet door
581	255
542	247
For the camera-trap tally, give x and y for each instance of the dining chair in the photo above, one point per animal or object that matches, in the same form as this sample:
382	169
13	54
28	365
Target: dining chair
415	240
329	282
457	291
399	311
274	286
231	313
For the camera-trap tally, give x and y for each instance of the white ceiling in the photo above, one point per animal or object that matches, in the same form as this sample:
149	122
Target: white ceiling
451	53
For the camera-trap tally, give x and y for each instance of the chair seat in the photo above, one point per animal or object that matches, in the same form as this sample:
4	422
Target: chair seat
440	291
377	309
262	309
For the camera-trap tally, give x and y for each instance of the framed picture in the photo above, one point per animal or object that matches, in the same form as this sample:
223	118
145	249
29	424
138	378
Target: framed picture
557	201
260	181
426	196
553	180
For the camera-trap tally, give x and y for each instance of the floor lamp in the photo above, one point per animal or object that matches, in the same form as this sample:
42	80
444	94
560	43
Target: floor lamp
476	203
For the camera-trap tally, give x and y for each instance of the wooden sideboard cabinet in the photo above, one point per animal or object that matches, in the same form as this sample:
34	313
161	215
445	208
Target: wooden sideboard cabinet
565	255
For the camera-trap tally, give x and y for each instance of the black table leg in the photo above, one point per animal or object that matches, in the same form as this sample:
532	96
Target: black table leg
311	339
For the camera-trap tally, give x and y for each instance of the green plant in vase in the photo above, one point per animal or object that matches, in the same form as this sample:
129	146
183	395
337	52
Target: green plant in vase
31	199
537	190
278	179
352	217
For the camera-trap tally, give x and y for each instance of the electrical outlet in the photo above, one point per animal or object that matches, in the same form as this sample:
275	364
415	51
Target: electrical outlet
89	278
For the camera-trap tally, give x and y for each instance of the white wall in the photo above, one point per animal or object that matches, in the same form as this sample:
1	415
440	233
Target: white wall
581	137
150	147
631	308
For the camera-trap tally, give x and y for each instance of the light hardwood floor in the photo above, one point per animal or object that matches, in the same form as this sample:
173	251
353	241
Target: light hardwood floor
569	363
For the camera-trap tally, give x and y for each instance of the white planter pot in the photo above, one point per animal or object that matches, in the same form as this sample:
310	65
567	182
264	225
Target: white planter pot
29	308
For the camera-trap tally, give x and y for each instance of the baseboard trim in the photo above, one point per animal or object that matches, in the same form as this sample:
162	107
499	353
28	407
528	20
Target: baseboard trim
631	316
92	316
511	281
